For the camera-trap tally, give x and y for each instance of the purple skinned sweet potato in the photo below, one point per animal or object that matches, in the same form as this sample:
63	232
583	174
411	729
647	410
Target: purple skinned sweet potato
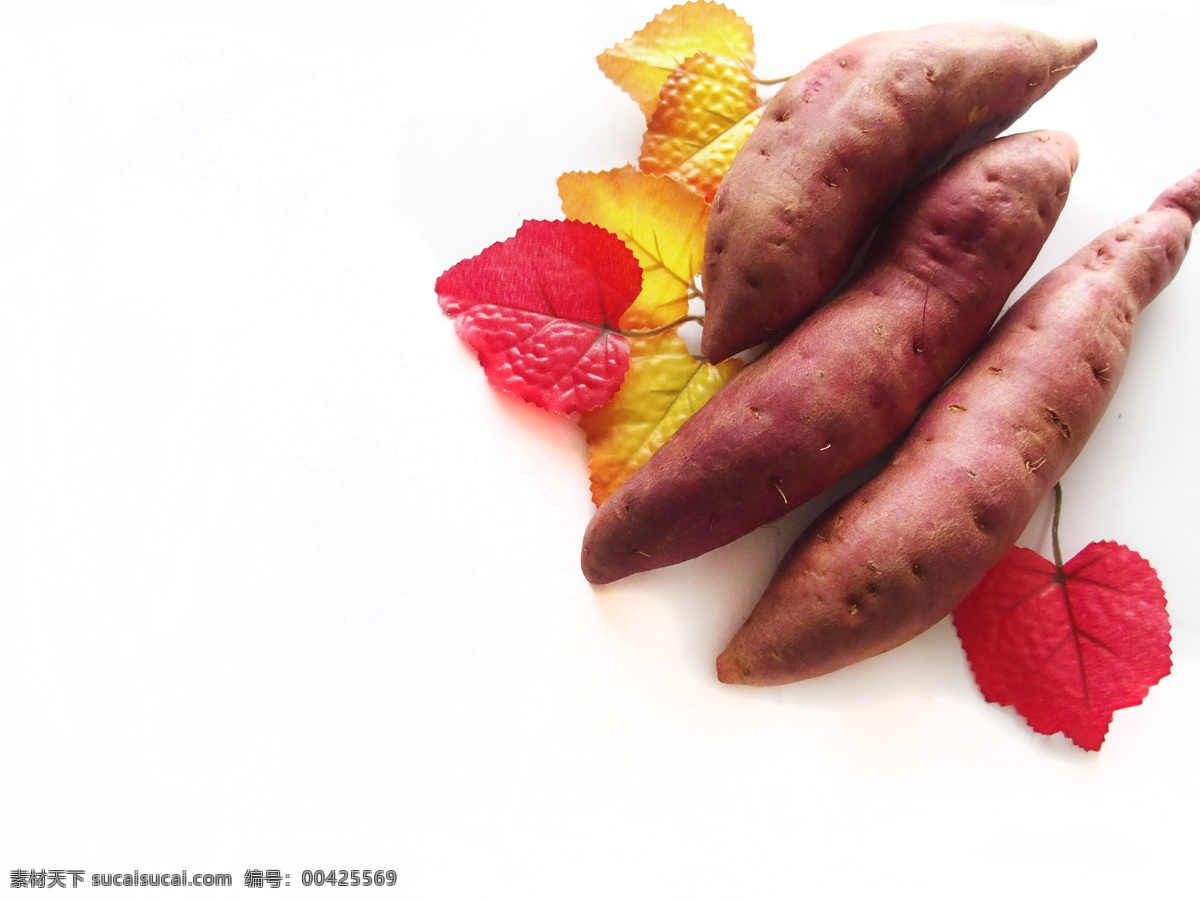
839	143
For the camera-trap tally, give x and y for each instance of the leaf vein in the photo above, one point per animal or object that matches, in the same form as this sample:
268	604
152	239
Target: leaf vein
670	407
700	147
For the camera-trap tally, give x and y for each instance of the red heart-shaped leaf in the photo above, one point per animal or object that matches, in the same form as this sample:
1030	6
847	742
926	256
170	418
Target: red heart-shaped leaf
1067	646
539	309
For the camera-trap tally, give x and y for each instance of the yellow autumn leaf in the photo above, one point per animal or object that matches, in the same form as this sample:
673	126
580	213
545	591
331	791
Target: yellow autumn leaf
659	219
665	385
641	64
706	110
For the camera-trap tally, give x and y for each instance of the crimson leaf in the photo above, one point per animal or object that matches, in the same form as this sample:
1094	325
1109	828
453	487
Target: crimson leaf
1067	645
539	309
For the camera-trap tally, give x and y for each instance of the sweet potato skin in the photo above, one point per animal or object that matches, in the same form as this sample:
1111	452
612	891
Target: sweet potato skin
838	144
847	382
894	557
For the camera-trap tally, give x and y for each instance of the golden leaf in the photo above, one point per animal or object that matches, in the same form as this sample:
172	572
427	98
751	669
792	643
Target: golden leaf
641	64
659	219
664	386
706	110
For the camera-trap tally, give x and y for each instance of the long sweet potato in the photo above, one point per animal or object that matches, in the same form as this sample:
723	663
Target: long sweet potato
897	555
838	144
850	379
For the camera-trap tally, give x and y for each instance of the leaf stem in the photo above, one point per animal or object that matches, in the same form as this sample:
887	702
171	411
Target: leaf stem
1060	577
1058	561
649	333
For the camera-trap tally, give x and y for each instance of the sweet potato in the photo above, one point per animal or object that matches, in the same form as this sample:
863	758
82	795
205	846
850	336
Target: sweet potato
850	379
897	555
838	144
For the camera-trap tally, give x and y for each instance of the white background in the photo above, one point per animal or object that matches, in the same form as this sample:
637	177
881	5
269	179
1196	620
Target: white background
284	584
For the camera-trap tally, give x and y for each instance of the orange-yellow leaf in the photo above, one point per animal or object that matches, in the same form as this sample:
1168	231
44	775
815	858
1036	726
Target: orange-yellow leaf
640	65
664	386
706	110
659	219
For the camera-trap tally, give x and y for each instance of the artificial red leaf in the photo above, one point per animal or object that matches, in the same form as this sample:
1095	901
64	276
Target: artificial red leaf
539	310
1067	646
